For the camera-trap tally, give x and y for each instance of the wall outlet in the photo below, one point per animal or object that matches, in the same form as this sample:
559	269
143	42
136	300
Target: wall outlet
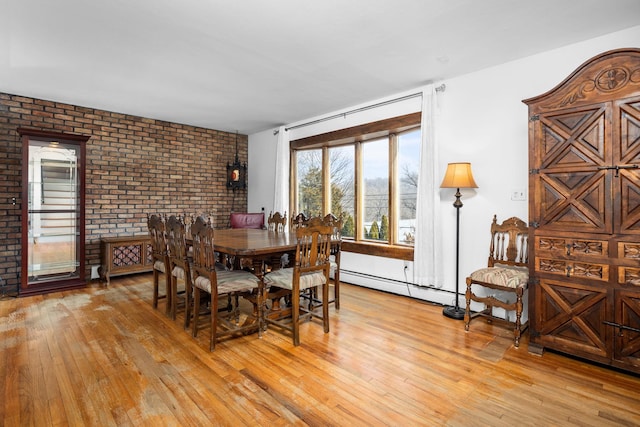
518	195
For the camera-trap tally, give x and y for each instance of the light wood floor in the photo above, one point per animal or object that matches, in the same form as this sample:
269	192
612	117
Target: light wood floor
102	356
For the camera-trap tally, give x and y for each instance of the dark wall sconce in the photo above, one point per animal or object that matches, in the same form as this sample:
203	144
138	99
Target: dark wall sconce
237	172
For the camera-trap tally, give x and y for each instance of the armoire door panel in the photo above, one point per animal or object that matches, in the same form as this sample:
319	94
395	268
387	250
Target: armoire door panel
574	139
571	316
576	201
629	129
628	315
629	211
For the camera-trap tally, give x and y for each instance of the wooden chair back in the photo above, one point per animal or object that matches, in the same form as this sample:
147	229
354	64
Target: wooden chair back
177	240
156	226
277	222
160	258
336	223
509	243
179	266
204	256
313	246
297	221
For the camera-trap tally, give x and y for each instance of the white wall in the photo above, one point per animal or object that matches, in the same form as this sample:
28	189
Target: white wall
484	122
261	163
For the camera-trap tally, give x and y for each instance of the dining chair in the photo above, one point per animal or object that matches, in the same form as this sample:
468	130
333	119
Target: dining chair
336	246
219	283
179	266
297	221
277	222
310	270
160	259
335	223
507	271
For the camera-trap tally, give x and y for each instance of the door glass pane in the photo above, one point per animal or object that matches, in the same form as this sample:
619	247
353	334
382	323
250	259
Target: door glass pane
375	162
342	171
53	215
408	167
309	175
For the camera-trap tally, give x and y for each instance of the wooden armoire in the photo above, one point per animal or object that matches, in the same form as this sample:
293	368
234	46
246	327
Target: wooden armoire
584	213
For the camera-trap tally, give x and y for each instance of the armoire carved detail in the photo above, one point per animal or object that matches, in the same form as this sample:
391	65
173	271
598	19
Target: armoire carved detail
584	186
606	80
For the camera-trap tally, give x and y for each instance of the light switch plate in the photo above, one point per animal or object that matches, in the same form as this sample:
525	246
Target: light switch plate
518	195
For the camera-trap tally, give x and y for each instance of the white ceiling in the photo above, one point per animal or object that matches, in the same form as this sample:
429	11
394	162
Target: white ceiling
251	65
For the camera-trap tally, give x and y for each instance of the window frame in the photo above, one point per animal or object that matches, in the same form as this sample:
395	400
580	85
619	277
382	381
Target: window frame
356	136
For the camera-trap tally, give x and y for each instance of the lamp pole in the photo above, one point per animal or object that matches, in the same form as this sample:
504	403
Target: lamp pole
454	312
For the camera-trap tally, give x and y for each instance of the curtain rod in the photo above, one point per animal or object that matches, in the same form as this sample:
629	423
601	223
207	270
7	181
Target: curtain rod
440	88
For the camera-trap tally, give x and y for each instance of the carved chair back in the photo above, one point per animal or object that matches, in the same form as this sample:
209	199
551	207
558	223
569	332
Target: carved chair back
509	243
277	222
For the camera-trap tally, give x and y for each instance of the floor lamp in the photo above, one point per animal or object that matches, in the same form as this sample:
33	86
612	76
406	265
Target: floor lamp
458	176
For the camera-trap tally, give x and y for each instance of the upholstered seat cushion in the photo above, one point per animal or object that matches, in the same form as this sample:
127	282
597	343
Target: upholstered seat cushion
159	265
502	276
283	278
229	281
178	272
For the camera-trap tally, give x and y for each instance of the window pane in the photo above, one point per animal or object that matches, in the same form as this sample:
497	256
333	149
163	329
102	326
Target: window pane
309	182
376	189
408	167
342	168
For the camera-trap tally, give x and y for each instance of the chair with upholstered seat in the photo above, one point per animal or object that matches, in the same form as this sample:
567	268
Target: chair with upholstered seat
244	220
310	270
507	271
219	283
179	266
277	222
160	258
297	221
334	260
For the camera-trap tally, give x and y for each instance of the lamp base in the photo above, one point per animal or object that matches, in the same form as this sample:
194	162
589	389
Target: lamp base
453	312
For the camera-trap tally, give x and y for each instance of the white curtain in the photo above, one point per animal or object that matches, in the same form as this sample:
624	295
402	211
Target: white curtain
281	190
427	265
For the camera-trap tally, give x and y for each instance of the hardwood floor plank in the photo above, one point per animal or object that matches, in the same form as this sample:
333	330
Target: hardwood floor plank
103	356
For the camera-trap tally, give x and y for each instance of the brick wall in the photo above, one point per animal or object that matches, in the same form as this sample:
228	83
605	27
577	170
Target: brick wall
135	165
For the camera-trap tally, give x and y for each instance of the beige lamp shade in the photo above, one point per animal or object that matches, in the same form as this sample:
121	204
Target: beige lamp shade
458	175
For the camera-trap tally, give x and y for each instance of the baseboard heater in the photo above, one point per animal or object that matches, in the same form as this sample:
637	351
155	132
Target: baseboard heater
388	280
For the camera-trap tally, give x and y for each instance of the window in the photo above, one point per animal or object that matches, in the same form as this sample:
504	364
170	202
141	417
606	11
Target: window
375	178
367	174
343	191
407	181
309	188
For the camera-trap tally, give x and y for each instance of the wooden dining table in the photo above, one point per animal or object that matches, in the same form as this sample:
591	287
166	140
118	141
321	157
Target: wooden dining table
261	246
258	245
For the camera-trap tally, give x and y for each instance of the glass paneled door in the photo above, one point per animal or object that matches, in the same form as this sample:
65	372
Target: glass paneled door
53	231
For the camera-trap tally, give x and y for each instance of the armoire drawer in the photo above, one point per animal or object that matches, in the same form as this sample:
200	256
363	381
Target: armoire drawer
570	268
570	246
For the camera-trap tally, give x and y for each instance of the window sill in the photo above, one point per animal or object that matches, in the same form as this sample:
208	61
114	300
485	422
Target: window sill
387	251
